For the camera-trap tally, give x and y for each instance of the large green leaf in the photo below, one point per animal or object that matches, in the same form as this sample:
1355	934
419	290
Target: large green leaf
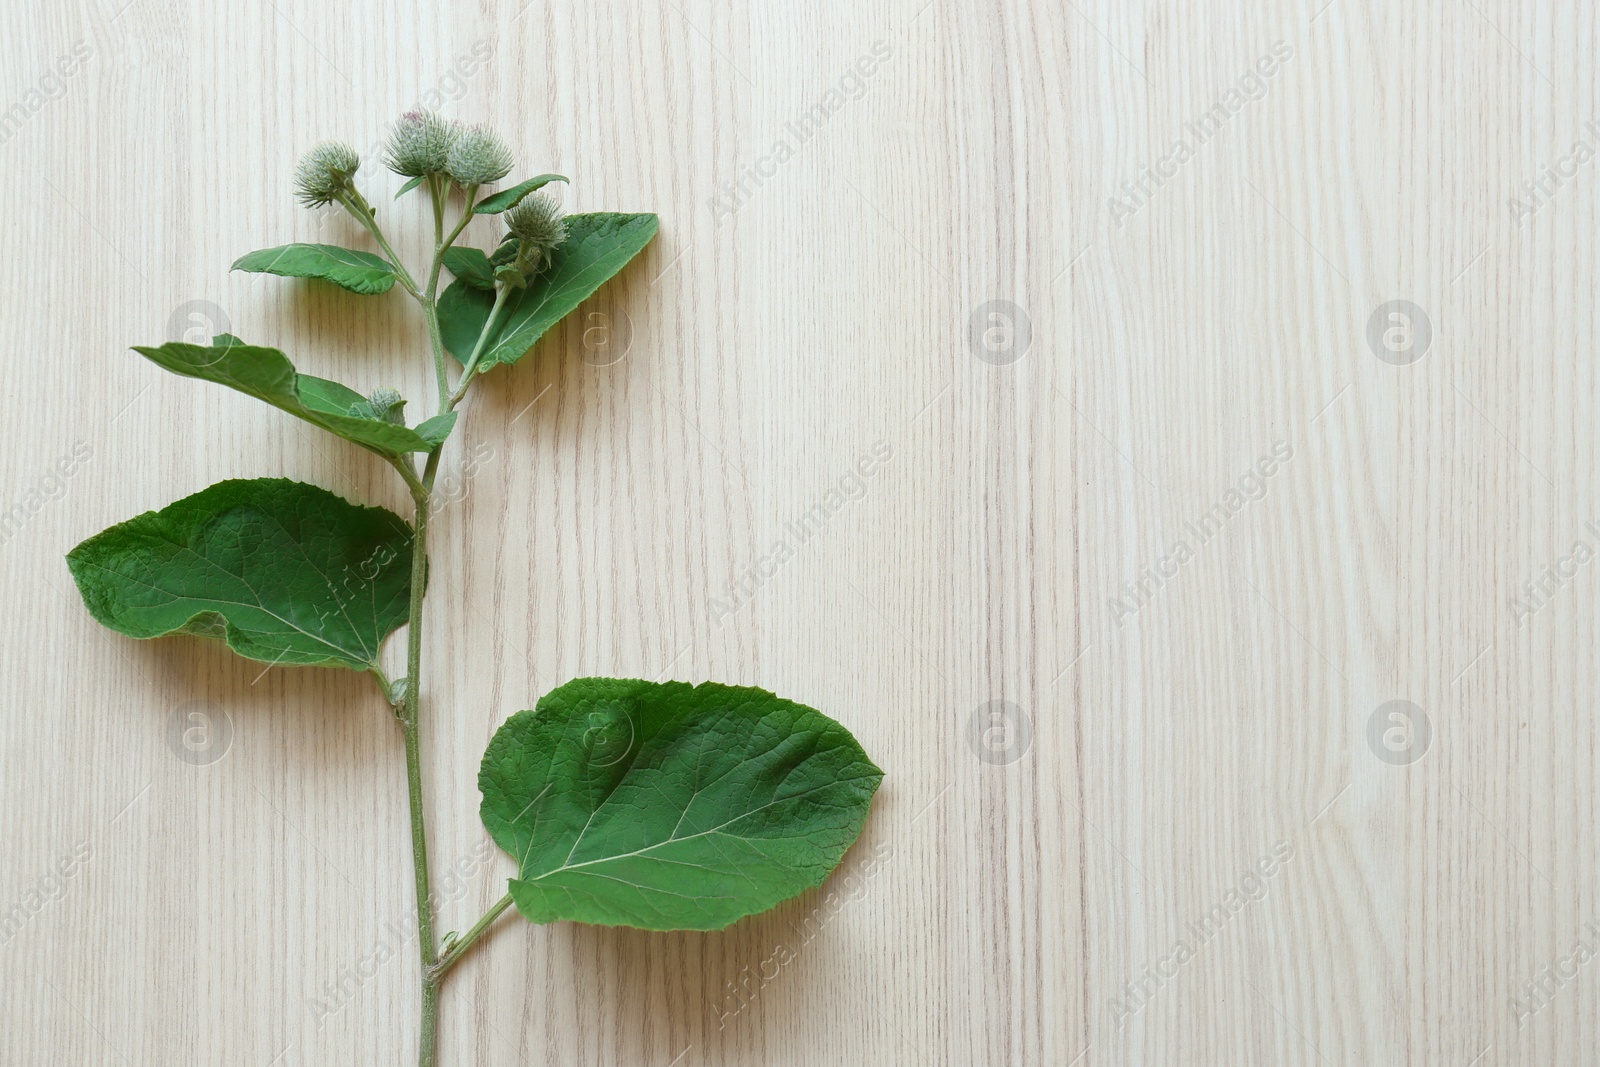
267	374
359	272
597	247
506	199
283	571
669	806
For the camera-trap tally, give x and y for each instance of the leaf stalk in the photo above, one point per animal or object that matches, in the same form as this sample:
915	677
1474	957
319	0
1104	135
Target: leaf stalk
460	947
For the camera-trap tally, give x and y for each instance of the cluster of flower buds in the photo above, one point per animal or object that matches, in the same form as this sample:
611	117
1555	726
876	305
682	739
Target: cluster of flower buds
425	145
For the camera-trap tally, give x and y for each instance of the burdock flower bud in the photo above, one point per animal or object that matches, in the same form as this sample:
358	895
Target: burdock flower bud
479	157
420	144
539	227
386	405
324	173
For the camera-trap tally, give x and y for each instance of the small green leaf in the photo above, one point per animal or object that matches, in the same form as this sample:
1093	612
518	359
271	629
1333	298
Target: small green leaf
410	185
435	430
506	199
284	572
470	265
668	806
267	374
597	247
359	272
509	245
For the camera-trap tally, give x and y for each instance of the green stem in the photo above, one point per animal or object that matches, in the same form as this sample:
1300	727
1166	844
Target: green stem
428	1037
436	338
357	205
438	190
471	365
457	949
409	707
422	494
442	245
403	465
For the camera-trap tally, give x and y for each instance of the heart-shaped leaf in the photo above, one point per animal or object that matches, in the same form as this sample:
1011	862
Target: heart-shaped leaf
359	272
282	571
267	374
668	806
506	199
598	245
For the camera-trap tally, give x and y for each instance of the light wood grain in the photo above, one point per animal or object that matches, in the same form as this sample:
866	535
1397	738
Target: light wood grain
1168	750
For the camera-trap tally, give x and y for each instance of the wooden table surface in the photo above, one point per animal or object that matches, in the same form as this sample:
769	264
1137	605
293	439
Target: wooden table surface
1229	376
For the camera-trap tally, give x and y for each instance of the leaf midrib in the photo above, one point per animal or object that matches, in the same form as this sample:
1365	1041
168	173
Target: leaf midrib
717	830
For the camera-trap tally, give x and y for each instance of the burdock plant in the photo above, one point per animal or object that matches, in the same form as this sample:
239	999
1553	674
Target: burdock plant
658	805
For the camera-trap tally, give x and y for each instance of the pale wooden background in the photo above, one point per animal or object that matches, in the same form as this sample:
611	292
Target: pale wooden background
769	350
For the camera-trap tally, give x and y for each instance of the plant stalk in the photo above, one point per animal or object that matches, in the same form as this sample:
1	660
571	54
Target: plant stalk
357	205
471	366
459	948
436	338
428	1053
422	495
410	710
438	190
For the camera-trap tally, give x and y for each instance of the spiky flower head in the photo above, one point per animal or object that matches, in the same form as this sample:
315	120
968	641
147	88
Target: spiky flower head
479	157
539	227
324	173
420	144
